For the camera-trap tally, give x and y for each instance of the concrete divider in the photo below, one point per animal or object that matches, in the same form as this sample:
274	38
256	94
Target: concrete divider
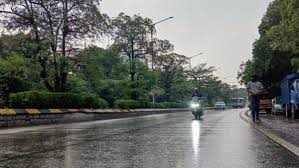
26	117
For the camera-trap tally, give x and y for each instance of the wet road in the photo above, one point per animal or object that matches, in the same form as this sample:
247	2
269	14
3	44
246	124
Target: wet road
220	140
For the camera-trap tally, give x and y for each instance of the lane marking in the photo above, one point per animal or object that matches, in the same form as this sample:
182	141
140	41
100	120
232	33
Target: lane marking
282	142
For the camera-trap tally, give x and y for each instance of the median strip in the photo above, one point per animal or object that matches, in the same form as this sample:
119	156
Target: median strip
282	142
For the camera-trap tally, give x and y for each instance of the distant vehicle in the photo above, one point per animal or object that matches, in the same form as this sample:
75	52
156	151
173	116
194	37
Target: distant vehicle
238	102
290	94
277	105
220	105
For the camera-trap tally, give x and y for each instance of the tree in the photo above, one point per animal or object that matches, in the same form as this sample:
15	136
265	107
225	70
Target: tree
16	74
245	72
271	18
170	66
59	24
94	64
131	35
271	60
284	36
19	44
201	72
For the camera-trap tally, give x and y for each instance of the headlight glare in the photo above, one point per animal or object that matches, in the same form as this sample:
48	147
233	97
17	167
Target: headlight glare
195	105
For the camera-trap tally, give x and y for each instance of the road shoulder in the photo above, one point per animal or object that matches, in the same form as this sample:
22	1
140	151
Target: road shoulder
271	133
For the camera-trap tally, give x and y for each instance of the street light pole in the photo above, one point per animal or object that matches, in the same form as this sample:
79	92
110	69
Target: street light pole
152	38
189	58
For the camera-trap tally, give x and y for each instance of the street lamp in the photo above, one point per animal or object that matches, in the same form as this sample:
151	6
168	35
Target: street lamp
189	58
152	37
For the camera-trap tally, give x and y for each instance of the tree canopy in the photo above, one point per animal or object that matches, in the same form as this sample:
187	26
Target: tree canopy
275	52
44	49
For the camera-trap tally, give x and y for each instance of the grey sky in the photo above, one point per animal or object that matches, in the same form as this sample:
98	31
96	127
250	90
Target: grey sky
223	29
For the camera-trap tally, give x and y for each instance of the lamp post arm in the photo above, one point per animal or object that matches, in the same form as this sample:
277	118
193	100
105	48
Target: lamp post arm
162	21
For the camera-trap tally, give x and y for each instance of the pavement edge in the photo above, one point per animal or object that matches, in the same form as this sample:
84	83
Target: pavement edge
282	142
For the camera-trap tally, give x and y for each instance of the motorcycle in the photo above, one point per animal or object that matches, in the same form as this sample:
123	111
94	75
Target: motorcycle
197	107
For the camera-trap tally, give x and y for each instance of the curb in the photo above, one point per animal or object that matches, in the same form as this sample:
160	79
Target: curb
31	117
15	112
282	142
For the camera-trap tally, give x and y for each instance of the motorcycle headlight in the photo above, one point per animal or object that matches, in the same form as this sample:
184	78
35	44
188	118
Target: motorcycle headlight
195	105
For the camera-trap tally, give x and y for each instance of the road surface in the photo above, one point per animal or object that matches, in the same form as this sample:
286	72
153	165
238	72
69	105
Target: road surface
220	140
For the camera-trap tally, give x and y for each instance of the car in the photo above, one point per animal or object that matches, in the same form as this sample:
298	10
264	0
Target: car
277	106
220	105
237	102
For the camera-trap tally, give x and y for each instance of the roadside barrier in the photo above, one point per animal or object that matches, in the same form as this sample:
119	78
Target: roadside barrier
14	112
29	117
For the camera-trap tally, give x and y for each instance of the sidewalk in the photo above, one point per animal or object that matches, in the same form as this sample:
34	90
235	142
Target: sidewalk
287	129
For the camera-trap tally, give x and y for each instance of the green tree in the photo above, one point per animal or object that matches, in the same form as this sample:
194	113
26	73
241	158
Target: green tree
271	59
284	35
131	35
170	66
16	74
58	23
19	44
201	72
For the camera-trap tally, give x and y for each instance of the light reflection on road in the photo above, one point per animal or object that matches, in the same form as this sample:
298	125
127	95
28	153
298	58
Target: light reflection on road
196	136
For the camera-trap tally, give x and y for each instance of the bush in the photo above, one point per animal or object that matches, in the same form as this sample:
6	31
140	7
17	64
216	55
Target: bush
133	104
93	102
36	99
111	90
174	105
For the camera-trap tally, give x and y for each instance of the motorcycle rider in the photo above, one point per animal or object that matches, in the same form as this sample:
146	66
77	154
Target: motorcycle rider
197	94
197	107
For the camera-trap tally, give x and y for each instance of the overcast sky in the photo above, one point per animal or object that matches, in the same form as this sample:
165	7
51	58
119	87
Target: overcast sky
223	30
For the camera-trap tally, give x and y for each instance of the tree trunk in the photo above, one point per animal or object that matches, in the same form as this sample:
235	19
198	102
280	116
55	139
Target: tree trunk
63	70
42	60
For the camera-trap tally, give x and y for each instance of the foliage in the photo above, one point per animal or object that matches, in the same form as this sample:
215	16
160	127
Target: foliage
131	34
97	63
112	90
36	99
170	66
16	76
201	72
17	45
39	58
133	104
76	84
274	55
58	23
